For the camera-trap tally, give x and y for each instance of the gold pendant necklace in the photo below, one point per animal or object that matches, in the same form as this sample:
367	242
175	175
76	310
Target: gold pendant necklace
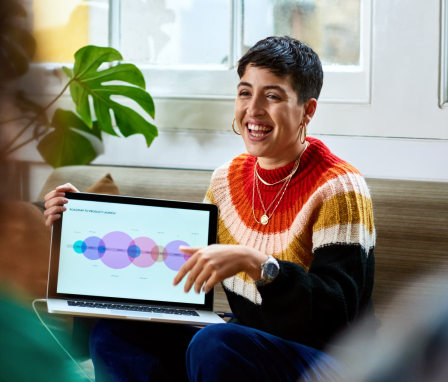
264	220
266	216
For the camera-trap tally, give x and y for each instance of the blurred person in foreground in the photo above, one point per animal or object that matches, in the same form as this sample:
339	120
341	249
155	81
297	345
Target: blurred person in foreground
295	245
27	351
412	345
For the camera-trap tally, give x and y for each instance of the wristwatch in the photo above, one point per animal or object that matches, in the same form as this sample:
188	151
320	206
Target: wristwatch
269	271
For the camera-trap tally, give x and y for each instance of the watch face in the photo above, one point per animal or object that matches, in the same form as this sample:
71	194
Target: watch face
271	270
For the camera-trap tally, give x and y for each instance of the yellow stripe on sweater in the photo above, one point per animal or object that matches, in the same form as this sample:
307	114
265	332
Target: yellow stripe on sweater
345	208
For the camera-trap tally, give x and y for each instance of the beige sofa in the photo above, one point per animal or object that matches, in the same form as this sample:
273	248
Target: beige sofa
411	220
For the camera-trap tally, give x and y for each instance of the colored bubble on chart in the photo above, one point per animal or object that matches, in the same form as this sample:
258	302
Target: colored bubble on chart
159	252
116	255
93	247
174	258
80	246
145	257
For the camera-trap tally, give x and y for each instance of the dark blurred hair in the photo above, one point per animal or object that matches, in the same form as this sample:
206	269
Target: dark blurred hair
286	56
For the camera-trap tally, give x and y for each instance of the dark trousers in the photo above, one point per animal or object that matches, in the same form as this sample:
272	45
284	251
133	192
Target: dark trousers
141	351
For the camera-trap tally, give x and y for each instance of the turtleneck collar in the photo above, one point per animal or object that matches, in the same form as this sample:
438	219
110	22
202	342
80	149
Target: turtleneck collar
276	174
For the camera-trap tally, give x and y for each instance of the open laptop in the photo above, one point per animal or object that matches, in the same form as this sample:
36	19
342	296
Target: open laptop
116	256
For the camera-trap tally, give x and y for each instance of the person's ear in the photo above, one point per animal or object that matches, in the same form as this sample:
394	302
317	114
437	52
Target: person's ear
310	107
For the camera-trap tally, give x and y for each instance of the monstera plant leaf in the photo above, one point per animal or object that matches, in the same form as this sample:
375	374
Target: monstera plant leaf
89	81
68	143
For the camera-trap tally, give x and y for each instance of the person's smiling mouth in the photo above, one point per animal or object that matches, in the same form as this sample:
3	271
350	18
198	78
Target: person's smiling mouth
258	130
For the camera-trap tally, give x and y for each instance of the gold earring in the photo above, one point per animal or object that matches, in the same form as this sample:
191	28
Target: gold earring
302	134
233	128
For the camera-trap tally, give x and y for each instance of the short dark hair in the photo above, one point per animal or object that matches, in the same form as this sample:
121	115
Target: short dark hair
286	56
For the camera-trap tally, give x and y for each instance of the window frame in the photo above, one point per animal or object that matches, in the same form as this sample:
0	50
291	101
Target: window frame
342	84
443	76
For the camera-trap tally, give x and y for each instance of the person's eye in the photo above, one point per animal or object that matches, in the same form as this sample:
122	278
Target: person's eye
244	93
273	97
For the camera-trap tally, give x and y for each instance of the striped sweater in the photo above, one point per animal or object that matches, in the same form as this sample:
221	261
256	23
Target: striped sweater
321	232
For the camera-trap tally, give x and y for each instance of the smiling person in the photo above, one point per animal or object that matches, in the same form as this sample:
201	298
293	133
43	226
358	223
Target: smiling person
294	253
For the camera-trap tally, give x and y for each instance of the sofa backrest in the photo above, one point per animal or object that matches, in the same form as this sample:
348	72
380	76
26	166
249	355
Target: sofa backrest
135	181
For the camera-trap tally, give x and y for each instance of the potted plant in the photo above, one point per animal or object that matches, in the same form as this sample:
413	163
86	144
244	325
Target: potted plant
66	137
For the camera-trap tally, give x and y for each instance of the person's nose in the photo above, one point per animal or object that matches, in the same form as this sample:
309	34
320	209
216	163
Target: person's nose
256	106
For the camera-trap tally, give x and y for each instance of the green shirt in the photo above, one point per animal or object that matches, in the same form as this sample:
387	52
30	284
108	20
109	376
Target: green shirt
27	350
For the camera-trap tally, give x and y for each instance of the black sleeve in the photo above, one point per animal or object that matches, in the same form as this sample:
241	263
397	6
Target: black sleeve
311	307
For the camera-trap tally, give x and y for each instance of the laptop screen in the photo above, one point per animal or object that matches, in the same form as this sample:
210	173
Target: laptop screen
125	248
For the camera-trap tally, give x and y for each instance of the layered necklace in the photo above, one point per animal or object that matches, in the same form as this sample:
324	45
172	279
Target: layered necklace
277	199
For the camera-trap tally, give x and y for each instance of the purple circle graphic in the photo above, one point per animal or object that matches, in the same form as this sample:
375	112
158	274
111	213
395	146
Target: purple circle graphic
116	254
94	247
145	258
173	258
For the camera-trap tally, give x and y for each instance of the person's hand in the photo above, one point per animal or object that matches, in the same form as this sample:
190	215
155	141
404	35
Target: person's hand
210	265
54	202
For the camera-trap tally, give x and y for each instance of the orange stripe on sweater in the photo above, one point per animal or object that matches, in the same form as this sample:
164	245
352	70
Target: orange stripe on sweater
240	179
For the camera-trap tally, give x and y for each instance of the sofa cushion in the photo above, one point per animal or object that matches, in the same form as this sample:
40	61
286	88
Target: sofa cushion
105	185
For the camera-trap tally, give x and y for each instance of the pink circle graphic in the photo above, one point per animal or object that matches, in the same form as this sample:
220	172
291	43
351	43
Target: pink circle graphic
116	254
174	258
145	258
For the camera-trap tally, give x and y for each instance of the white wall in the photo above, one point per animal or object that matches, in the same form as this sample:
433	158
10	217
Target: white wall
402	133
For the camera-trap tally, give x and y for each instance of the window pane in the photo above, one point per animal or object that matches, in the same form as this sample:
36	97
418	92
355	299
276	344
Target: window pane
330	27
62	27
176	32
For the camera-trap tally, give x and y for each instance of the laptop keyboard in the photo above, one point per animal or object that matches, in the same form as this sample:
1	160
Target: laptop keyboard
136	308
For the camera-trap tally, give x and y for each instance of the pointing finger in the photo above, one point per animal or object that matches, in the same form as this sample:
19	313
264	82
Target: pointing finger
184	270
189	250
193	275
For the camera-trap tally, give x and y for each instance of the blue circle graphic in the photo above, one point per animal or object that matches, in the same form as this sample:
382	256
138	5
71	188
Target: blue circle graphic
80	246
134	251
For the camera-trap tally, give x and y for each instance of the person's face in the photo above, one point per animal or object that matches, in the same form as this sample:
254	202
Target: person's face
268	115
